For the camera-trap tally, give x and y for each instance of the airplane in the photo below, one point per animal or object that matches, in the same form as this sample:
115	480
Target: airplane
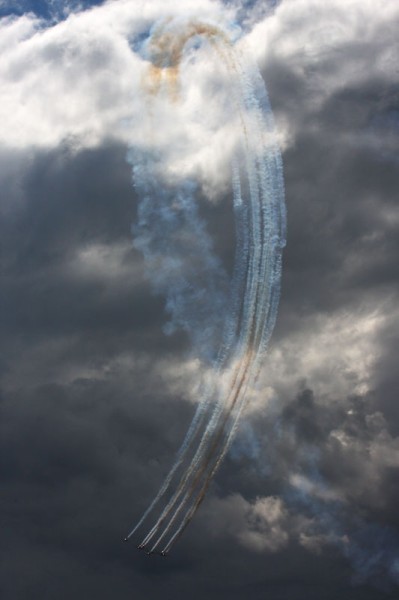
148	552
153	552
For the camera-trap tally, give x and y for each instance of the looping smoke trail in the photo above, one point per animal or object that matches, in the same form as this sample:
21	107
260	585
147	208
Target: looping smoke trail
186	271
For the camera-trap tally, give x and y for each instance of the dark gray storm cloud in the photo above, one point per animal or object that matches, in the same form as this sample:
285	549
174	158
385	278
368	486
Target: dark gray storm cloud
95	397
89	423
82	436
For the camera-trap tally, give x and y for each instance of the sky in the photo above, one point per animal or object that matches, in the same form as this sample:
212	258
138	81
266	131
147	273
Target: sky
97	387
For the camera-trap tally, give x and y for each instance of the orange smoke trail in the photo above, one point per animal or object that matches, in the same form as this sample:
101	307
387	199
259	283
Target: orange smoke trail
166	51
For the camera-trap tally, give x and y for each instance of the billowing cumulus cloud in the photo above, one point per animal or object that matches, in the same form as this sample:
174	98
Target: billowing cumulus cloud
259	526
96	398
79	78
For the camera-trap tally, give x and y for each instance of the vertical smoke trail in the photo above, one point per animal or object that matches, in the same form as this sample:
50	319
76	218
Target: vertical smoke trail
254	292
240	263
230	327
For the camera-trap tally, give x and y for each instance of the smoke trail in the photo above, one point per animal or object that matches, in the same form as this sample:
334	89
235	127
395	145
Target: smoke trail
167	208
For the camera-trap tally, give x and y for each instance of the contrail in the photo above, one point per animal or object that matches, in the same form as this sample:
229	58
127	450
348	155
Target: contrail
251	305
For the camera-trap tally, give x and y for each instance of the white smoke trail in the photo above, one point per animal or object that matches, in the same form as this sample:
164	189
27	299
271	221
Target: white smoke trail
230	328
254	291
229	337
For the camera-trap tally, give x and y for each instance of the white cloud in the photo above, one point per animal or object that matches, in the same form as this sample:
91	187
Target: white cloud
260	526
80	80
326	47
306	32
71	80
313	488
366	457
265	520
77	78
336	353
102	263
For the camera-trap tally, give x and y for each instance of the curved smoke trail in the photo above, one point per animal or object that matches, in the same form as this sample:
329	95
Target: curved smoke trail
197	292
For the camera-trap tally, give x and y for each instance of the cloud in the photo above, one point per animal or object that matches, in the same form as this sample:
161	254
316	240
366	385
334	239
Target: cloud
259	526
79	78
95	398
335	354
264	525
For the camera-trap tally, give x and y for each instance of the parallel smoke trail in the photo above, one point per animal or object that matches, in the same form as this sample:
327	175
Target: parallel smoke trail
191	477
207	460
255	286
